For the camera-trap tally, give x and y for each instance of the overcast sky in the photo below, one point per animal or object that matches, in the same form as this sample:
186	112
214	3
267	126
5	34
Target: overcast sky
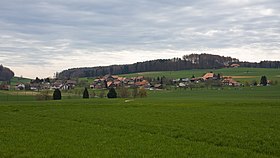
38	38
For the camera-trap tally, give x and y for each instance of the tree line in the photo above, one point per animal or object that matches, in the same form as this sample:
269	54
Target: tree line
192	61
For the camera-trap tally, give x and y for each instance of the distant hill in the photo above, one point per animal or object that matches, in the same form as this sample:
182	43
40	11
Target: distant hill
187	62
15	80
6	74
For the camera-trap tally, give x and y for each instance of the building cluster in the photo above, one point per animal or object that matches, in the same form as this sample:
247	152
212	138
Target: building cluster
111	81
44	85
208	77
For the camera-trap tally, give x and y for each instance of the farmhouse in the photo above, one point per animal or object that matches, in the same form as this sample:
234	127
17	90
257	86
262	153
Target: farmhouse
208	76
229	81
158	86
4	87
69	84
234	65
20	86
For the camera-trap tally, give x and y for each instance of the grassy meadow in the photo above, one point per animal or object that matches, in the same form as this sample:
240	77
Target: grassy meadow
228	122
242	74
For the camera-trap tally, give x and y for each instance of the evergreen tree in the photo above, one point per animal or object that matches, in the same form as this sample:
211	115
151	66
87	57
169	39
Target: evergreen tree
218	76
56	94
263	81
112	93
85	94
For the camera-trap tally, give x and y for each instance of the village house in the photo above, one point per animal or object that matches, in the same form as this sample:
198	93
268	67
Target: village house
69	84
20	86
234	65
158	86
208	76
229	81
4	87
57	85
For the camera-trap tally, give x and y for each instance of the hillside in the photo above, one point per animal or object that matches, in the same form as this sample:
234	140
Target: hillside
239	73
16	80
188	62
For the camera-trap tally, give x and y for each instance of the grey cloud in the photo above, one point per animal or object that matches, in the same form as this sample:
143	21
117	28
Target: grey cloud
41	32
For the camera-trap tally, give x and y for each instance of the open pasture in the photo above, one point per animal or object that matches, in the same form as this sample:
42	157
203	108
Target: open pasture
233	122
243	74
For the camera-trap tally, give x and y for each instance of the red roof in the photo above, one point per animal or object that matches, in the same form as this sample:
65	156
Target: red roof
208	75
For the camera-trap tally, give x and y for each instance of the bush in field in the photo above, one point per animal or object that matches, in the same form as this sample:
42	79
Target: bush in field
85	94
102	94
112	93
254	83
93	94
142	92
56	94
44	95
135	92
123	92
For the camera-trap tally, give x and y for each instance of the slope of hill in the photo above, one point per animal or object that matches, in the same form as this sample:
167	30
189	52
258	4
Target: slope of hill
238	73
16	80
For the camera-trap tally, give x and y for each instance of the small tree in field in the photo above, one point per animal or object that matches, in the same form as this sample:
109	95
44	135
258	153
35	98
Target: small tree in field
56	94
85	94
112	93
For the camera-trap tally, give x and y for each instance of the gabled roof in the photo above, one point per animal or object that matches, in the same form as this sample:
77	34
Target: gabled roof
208	75
157	85
142	83
109	83
234	65
115	77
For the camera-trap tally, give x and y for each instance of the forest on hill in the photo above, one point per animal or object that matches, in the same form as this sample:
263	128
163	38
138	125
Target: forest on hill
192	61
5	73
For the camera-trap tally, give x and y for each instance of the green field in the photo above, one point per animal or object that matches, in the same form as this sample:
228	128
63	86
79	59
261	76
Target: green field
228	122
254	73
16	80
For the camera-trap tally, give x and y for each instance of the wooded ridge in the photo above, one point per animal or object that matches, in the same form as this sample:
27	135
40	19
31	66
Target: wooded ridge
192	61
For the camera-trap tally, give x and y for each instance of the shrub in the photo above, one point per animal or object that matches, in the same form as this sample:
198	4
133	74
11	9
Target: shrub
254	83
85	94
135	92
112	93
92	94
123	92
44	95
102	94
56	94
142	92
